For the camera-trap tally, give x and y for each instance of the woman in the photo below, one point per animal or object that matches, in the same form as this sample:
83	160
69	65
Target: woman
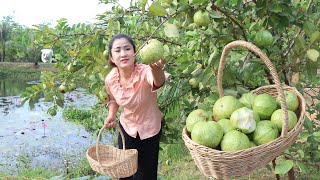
133	87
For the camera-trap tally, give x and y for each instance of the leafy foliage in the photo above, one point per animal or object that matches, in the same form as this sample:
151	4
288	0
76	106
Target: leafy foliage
193	52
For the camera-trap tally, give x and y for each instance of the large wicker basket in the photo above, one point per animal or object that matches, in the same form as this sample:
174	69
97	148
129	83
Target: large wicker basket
111	161
228	164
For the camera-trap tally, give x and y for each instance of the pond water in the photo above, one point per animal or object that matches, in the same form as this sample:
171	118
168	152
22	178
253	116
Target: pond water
31	137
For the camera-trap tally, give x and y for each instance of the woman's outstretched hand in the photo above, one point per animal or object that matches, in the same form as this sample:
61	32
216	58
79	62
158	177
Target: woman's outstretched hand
159	65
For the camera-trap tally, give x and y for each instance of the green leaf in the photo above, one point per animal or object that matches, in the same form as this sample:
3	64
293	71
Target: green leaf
171	30
157	10
301	153
60	102
315	37
313	55
276	8
309	28
316	134
142	4
300	43
196	2
311	69
303	167
283	167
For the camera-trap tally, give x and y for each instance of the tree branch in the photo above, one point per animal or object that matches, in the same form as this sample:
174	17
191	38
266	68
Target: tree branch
299	32
154	32
232	19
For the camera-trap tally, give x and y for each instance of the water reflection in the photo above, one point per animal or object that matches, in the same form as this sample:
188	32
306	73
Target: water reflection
25	138
14	87
8	103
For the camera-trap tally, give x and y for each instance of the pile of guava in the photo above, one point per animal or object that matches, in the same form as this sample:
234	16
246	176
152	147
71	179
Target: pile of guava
242	123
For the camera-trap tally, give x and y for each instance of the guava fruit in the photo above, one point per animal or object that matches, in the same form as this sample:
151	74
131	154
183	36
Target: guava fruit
235	140
247	99
278	116
152	52
103	96
105	53
71	68
72	86
63	88
292	100
193	83
207	133
52	112
226	125
266	131
224	107
263	38
252	144
194	117
201	18
256	117
243	119
264	105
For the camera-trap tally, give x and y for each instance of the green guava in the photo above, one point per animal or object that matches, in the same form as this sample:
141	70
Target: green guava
207	133
256	117
235	140
264	105
263	38
62	88
72	86
194	117
71	68
252	144
278	116
266	131
52	111
201	18
243	119
224	107
292	100
247	99
152	52
193	83
226	125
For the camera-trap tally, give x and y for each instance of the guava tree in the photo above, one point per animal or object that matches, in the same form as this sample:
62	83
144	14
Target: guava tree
194	33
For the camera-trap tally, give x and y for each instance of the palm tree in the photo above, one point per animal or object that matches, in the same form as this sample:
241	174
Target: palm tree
5	29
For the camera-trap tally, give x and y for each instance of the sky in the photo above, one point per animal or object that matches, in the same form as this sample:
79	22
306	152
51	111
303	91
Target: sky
29	12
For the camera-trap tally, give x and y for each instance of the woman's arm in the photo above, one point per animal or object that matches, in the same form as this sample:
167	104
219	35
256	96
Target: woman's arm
158	72
113	107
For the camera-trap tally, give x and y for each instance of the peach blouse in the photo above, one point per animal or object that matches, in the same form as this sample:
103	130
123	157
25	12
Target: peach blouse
138	101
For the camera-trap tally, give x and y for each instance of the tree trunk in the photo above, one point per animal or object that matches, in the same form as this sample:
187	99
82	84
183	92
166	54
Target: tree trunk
35	57
3	51
291	174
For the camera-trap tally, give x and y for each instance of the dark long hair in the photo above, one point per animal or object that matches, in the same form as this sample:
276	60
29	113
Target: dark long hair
115	37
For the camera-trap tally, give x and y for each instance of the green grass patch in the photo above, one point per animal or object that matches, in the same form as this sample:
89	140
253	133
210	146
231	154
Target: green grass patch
91	119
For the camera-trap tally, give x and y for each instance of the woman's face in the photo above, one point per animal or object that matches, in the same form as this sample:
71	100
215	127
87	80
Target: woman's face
122	53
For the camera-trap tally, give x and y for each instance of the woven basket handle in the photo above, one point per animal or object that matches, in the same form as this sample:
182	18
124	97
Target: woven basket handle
99	137
271	68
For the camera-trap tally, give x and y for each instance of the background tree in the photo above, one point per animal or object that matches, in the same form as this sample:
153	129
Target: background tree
5	32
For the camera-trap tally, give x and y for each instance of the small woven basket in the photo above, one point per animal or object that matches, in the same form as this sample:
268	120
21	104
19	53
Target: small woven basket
111	161
229	164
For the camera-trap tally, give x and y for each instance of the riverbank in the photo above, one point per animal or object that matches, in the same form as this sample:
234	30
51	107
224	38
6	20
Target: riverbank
9	70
